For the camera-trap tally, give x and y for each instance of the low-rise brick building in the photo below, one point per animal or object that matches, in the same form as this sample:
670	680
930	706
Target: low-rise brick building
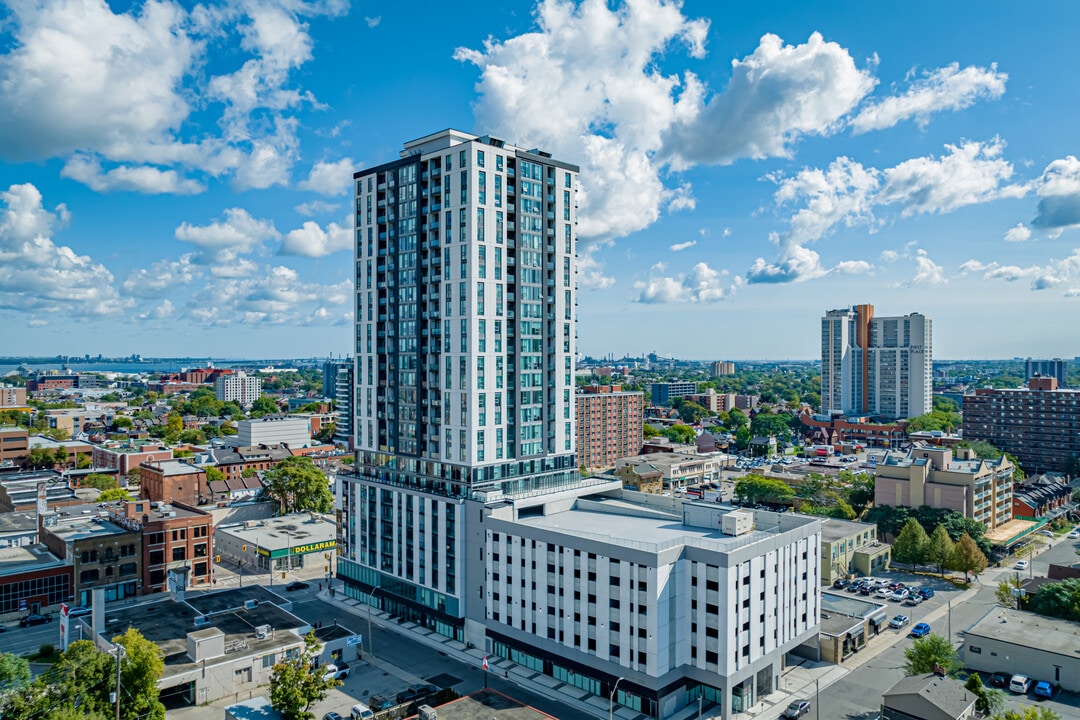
101	553
173	536
173	481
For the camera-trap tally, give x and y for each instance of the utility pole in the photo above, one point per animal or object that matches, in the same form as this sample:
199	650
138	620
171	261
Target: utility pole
120	652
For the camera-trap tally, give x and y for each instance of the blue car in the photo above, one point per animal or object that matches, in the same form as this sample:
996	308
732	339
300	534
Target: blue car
1043	690
920	630
927	593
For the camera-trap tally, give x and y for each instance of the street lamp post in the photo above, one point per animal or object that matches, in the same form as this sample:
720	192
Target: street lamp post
611	699
371	639
817	696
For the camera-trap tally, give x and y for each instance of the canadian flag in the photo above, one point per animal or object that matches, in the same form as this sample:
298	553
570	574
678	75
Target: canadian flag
485	665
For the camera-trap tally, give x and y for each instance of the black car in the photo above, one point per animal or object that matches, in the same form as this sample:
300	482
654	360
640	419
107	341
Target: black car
416	692
841	583
297	585
855	586
1000	680
34	619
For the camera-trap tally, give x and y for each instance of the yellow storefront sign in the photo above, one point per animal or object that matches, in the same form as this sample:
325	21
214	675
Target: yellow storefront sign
314	547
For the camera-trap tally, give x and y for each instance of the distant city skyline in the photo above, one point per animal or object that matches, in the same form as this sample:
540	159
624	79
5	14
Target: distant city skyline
744	169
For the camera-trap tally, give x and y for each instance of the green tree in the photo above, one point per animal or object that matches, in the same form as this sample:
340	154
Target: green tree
214	475
1029	713
83	672
40	457
858	489
690	413
14	672
1006	592
297	485
930	652
140	671
264	405
742	437
114	494
82	461
122	422
766	424
680	433
989	700
753	489
193	437
737	419
967	557
295	685
889	520
100	481
910	545
648	431
939	549
1060	600
174	424
326	433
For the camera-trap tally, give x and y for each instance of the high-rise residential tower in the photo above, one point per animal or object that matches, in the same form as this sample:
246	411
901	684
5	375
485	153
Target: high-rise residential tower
877	366
338	386
465	334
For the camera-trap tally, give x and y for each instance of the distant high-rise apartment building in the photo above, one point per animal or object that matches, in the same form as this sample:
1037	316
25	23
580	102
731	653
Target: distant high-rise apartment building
239	387
721	367
1039	425
1056	368
662	393
609	424
877	366
338	386
464	379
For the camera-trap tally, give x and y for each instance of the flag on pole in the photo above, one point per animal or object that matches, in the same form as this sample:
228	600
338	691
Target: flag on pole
485	665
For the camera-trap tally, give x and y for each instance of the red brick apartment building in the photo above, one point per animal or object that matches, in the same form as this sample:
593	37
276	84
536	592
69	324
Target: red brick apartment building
609	422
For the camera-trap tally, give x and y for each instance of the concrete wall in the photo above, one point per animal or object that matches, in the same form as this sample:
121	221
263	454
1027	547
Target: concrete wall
1001	656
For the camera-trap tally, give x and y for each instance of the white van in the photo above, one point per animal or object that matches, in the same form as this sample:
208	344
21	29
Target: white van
1019	684
360	711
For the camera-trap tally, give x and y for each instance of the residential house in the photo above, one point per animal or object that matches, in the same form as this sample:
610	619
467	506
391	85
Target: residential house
928	697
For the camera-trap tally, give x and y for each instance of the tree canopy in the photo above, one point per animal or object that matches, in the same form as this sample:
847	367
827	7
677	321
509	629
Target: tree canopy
940	549
264	405
680	433
930	652
297	485
296	685
99	481
967	557
753	489
1060	600
911	544
14	672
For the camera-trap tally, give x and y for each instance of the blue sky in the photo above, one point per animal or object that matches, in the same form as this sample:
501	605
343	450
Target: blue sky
174	179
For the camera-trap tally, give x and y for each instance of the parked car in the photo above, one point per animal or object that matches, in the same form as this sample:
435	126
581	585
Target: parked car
920	630
1043	690
926	593
34	619
78	611
1020	684
380	703
332	716
340	671
1047	533
883	593
913	599
297	585
855	586
796	709
1021	565
900	595
360	711
867	590
1073	535
841	583
899	621
999	680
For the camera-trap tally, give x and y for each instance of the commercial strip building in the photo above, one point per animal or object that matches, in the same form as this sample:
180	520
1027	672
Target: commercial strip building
31	580
678	470
609	423
1017	641
847	624
287	542
879	366
1039	425
930	475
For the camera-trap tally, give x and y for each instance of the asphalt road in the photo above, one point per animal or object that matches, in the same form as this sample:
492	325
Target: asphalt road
420	660
857	696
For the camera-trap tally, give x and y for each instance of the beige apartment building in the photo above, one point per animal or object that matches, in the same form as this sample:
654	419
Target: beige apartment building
12	397
678	470
930	475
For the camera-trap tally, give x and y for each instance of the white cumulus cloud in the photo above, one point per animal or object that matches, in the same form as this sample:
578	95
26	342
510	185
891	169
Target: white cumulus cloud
40	277
330	178
702	284
946	88
678	247
1059	196
223	243
312	241
1019	233
927	272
